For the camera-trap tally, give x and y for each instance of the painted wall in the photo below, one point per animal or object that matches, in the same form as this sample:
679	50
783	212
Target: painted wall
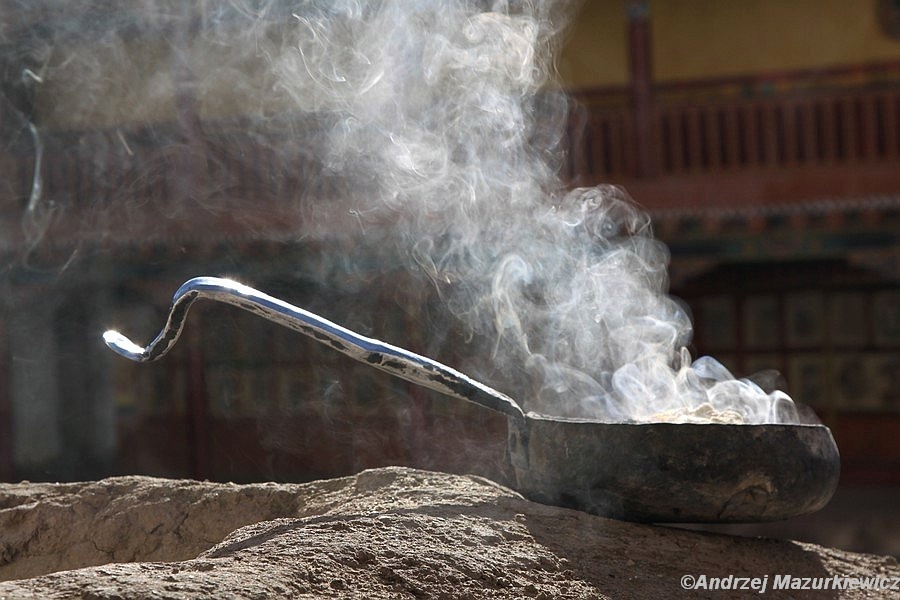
714	38
691	39
595	52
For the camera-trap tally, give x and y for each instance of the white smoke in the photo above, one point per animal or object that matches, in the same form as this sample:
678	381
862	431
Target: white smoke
437	127
446	114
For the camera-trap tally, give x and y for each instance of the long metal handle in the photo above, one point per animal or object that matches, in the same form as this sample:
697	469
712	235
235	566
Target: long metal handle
391	359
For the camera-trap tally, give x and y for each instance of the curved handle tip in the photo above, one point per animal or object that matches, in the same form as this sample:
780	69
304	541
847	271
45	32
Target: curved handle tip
123	346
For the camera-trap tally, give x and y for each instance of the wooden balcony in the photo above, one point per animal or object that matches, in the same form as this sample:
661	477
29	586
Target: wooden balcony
776	139
789	144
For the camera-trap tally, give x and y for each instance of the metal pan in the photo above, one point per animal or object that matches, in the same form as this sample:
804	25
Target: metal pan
650	472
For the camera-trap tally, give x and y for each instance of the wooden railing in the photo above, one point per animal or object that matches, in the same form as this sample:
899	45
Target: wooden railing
839	118
790	131
696	133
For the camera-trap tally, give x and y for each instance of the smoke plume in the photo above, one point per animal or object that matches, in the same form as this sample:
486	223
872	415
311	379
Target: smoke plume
448	113
443	124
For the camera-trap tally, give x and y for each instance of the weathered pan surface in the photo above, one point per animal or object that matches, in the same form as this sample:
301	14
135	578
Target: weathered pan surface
652	472
667	472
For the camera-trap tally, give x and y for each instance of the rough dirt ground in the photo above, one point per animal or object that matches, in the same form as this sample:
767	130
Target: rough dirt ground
384	533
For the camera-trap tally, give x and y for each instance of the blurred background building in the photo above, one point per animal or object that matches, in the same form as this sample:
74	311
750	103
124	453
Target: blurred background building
762	136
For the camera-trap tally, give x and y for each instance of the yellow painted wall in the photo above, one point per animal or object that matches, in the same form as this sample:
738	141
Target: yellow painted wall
595	51
691	39
714	38
103	85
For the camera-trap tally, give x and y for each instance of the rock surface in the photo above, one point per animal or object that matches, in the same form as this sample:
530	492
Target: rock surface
384	533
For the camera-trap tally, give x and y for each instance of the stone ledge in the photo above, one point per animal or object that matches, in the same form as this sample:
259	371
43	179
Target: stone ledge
384	533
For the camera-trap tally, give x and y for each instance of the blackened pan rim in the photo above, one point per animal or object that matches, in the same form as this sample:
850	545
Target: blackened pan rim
533	416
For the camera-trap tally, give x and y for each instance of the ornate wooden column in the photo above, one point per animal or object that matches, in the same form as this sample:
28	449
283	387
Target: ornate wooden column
197	405
6	430
640	69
